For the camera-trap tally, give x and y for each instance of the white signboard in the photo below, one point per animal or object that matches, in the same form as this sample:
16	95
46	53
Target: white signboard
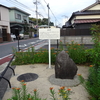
49	33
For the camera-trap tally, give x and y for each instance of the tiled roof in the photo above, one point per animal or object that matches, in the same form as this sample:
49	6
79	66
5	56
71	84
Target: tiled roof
88	12
78	21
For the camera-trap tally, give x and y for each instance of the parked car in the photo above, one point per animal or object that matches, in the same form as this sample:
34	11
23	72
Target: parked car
21	36
13	37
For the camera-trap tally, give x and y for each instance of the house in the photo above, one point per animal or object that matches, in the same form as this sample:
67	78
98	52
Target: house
19	21
4	24
32	29
85	18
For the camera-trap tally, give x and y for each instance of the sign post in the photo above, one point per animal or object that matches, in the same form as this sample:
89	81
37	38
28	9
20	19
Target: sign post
49	33
49	54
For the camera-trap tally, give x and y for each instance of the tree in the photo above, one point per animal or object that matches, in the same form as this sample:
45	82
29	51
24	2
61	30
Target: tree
43	21
26	28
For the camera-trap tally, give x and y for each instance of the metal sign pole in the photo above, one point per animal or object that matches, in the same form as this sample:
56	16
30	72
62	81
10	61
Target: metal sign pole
18	43
49	39
49	55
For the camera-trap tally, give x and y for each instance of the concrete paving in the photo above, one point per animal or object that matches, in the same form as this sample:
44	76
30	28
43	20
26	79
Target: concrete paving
42	83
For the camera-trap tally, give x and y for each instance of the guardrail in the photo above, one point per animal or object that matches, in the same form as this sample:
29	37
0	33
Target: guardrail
4	71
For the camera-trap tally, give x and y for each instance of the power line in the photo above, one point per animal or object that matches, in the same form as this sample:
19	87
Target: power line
43	8
51	12
45	2
26	7
20	4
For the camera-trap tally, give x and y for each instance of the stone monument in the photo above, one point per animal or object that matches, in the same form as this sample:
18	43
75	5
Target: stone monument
65	68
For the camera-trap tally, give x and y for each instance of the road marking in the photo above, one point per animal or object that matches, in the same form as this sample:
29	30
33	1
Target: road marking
6	56
37	46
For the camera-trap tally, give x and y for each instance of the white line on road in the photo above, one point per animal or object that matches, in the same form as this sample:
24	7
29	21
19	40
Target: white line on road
39	46
6	56
36	47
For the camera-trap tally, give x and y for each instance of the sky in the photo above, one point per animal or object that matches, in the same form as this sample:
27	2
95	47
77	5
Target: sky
59	12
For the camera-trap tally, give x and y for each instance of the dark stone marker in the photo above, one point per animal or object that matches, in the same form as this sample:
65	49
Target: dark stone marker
65	68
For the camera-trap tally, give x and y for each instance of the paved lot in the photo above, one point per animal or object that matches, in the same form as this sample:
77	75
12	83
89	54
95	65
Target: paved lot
42	84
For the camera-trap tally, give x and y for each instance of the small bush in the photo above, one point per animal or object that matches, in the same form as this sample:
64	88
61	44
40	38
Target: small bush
31	57
93	83
77	52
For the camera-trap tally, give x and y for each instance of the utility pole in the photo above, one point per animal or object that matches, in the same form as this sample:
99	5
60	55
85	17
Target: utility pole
48	16
36	14
36	2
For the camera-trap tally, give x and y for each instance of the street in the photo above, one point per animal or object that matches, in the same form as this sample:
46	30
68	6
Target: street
7	51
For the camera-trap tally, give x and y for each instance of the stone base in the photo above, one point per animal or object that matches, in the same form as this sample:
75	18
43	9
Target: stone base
64	82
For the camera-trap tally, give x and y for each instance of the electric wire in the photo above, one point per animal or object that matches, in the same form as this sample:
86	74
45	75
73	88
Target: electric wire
43	8
51	11
20	4
26	7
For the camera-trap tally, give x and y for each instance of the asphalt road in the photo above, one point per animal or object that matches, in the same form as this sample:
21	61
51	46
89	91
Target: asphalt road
6	48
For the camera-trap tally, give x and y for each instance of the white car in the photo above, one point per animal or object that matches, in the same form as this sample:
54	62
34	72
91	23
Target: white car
21	36
13	36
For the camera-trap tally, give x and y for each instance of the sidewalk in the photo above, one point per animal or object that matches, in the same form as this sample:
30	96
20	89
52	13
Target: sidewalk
42	83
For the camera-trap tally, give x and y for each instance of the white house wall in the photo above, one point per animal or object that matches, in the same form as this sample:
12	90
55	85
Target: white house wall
97	7
88	17
72	21
5	18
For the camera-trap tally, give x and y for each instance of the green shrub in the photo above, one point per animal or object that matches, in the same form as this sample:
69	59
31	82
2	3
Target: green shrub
90	55
95	31
31	57
93	83
24	57
77	52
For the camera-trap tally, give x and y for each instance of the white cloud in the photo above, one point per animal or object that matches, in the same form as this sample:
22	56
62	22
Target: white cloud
60	8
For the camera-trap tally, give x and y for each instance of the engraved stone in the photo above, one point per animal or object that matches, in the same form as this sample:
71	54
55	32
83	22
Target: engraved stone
65	68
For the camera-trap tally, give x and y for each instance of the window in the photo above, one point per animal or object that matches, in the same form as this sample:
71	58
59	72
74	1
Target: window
18	16
24	17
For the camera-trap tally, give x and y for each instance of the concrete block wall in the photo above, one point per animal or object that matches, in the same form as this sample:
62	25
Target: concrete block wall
78	39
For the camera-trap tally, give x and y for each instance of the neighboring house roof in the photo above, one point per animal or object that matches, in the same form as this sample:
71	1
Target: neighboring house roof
78	21
4	6
14	8
83	13
96	12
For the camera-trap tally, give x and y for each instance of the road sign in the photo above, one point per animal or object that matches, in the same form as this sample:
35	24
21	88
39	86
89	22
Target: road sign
49	33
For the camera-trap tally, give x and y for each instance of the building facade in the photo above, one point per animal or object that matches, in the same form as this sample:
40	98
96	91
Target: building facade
4	24
19	21
85	18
